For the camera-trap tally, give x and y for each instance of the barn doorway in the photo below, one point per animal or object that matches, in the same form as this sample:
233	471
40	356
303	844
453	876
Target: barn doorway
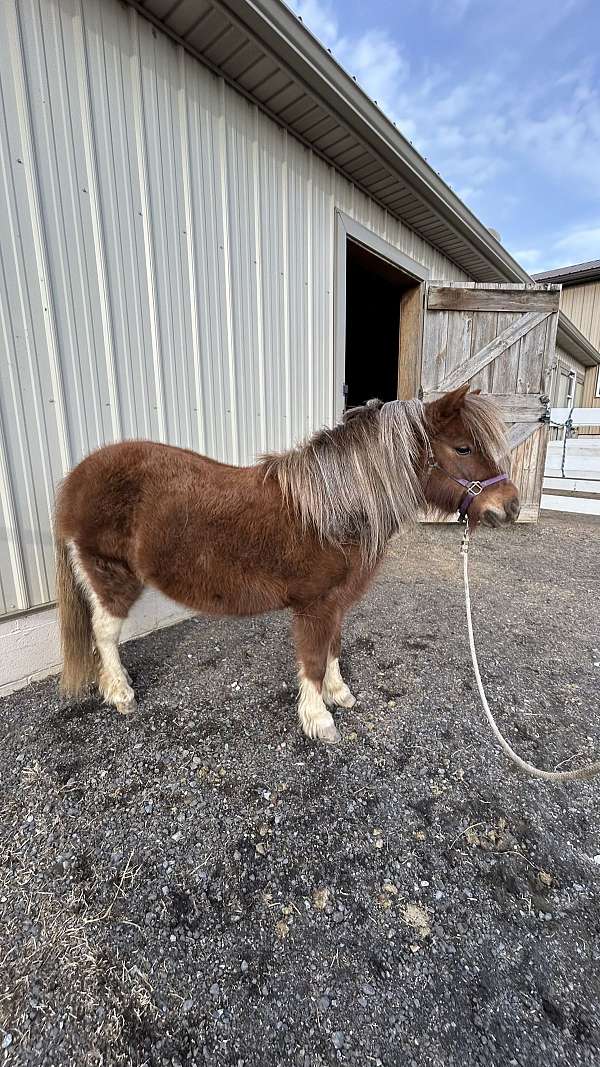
378	318
374	291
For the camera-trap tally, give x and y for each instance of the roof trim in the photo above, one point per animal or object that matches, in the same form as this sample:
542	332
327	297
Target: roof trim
294	44
575	343
417	193
572	275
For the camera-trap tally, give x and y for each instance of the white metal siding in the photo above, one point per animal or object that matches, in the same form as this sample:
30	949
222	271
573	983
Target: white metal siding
166	263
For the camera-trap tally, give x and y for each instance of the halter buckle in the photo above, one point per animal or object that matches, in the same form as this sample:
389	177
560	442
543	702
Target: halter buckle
475	488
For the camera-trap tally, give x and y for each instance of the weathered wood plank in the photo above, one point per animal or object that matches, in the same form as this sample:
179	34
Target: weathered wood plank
506	365
524	407
520	431
538	469
549	287
460	332
411	342
532	351
435	344
472	365
447	298
485	329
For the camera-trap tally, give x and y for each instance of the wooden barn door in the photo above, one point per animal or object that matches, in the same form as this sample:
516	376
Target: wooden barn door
501	339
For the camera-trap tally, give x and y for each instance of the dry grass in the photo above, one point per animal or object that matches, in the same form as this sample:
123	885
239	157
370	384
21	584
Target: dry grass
62	933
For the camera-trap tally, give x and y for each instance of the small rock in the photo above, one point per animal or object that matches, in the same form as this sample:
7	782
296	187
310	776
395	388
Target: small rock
323	1003
338	1038
369	990
7	1041
214	989
187	1005
320	899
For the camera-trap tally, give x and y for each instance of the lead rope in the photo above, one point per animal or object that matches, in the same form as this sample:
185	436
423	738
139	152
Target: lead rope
536	772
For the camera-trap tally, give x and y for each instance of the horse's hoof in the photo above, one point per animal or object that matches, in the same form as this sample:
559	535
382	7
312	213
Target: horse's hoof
330	734
345	700
127	707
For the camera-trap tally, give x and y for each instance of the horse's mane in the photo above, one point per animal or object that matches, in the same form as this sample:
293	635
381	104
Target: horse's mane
360	481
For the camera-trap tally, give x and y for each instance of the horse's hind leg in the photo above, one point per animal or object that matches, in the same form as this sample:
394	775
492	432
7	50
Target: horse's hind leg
112	590
313	631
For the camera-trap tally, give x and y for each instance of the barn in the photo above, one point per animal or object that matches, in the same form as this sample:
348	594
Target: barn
580	300
214	238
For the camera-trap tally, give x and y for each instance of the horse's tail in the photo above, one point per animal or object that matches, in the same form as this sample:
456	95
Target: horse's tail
80	667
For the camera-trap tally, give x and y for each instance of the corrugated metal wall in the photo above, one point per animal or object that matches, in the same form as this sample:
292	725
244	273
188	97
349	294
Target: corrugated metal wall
166	263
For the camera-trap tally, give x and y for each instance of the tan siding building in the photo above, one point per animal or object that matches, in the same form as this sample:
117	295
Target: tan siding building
580	301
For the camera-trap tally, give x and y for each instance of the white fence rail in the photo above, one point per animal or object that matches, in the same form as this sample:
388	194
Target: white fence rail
579	416
572	472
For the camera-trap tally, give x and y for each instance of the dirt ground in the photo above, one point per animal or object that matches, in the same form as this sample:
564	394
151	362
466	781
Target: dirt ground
202	885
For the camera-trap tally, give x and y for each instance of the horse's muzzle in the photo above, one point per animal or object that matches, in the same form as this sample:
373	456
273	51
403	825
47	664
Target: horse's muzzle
501	516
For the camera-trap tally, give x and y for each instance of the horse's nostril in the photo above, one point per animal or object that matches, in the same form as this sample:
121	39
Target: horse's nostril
491	518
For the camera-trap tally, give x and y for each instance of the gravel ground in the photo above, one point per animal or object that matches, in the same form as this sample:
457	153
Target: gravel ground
202	885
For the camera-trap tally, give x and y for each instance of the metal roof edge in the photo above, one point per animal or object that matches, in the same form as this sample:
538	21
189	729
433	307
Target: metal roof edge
575	343
273	23
569	276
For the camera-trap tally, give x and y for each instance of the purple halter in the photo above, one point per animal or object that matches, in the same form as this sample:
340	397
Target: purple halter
472	489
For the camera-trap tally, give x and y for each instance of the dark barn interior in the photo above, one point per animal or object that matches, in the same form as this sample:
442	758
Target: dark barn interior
374	289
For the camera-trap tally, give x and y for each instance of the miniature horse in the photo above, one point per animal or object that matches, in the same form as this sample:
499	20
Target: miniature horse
304	530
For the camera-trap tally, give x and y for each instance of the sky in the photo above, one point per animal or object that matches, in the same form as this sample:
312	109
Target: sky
502	97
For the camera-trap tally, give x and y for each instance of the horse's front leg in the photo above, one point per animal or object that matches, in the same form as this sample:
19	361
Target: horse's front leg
335	690
313	632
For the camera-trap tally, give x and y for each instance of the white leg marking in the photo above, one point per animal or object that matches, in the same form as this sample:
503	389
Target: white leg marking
113	680
335	690
316	720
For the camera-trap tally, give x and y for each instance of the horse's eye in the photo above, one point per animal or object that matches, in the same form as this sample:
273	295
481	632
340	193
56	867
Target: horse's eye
464	451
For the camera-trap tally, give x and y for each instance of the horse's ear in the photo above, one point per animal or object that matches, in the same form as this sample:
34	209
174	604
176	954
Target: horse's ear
448	405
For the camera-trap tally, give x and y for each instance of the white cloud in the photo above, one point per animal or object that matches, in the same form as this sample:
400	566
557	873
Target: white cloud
530	258
373	58
579	244
576	245
490	130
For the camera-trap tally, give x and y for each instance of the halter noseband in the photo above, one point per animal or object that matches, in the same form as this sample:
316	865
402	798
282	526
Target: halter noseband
472	489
